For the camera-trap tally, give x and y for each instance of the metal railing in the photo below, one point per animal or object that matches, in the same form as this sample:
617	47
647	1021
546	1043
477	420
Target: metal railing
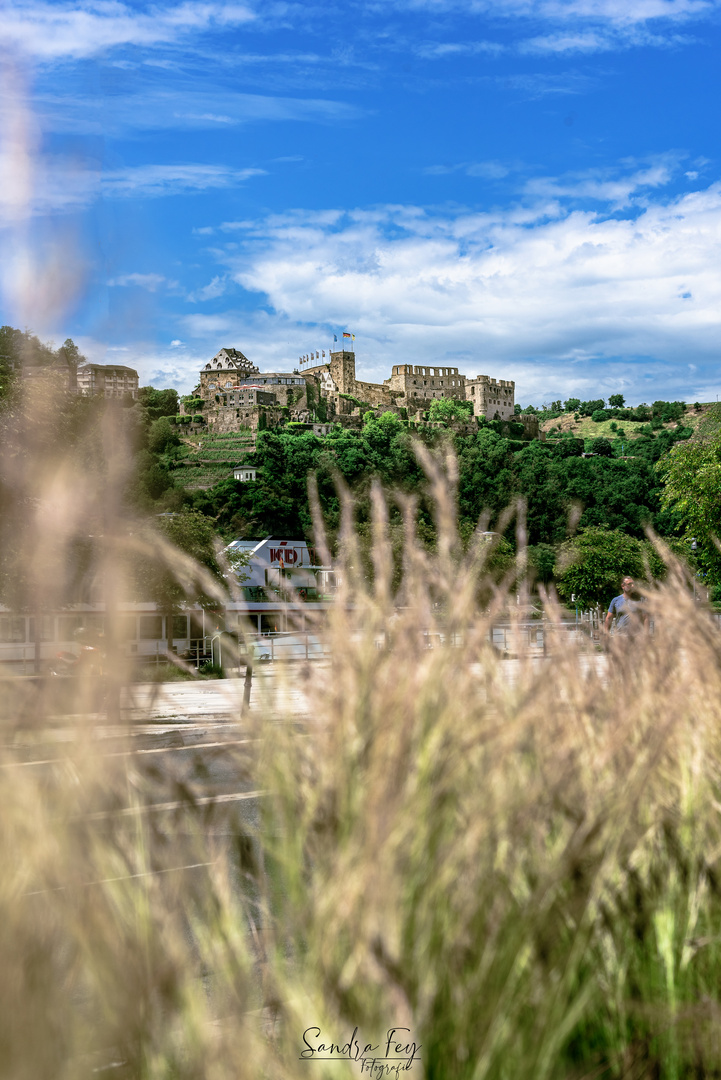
227	651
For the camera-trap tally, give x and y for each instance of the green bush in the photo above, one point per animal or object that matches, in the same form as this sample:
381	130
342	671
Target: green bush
211	671
566	448
161	435
198	419
601	446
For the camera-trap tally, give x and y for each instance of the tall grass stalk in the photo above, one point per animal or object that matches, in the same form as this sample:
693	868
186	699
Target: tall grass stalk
515	859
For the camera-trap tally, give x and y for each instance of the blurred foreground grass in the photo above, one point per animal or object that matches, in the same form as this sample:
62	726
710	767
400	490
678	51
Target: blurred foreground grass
524	874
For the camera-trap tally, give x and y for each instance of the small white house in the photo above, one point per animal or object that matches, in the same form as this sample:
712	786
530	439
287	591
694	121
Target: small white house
244	474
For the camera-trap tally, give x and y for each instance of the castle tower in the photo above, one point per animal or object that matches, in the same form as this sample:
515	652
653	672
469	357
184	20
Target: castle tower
342	369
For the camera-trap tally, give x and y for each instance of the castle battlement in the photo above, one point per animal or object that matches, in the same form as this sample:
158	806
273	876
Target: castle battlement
231	382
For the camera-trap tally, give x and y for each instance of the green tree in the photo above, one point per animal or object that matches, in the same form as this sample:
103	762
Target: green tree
691	472
158	402
573	404
601	446
568	447
162	435
21	347
592	565
588	408
7	378
70	354
542	558
448	410
11	341
616	401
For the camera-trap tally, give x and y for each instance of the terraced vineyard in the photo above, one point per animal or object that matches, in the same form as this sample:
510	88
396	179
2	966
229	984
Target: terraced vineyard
204	460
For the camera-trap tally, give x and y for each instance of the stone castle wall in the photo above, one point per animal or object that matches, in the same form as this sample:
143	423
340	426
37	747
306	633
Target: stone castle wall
494	399
233	400
421	382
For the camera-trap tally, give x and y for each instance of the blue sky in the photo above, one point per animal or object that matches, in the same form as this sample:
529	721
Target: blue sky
528	189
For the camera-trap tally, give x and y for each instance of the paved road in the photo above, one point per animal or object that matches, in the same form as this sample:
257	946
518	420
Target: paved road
277	690
196	734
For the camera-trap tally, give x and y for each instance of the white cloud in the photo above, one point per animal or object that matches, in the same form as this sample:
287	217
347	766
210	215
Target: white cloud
600	40
151	282
574	26
211	291
616	12
154	180
601	185
169	106
486	170
52	31
621	12
542	294
438	50
585	42
33	183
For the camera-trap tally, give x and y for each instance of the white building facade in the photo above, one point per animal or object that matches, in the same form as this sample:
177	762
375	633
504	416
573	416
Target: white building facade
282	581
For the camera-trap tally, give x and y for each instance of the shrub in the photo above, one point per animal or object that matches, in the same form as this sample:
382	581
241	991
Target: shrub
601	446
450	411
588	408
542	558
566	448
162	435
198	419
599	415
211	671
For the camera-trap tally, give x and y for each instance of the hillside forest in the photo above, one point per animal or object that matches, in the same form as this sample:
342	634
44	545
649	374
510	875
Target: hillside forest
603	475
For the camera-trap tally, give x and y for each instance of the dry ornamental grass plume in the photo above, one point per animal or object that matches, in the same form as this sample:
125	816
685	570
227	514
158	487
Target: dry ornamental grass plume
514	857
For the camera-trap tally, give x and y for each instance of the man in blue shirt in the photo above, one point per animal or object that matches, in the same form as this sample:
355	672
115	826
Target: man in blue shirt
627	610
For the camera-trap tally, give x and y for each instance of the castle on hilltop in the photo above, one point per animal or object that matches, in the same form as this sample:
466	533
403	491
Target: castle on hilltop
236	394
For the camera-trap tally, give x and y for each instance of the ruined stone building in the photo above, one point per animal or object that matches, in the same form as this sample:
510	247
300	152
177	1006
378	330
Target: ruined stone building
491	397
237	394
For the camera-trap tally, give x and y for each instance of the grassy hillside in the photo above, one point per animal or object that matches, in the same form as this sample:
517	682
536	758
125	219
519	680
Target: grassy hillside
703	421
